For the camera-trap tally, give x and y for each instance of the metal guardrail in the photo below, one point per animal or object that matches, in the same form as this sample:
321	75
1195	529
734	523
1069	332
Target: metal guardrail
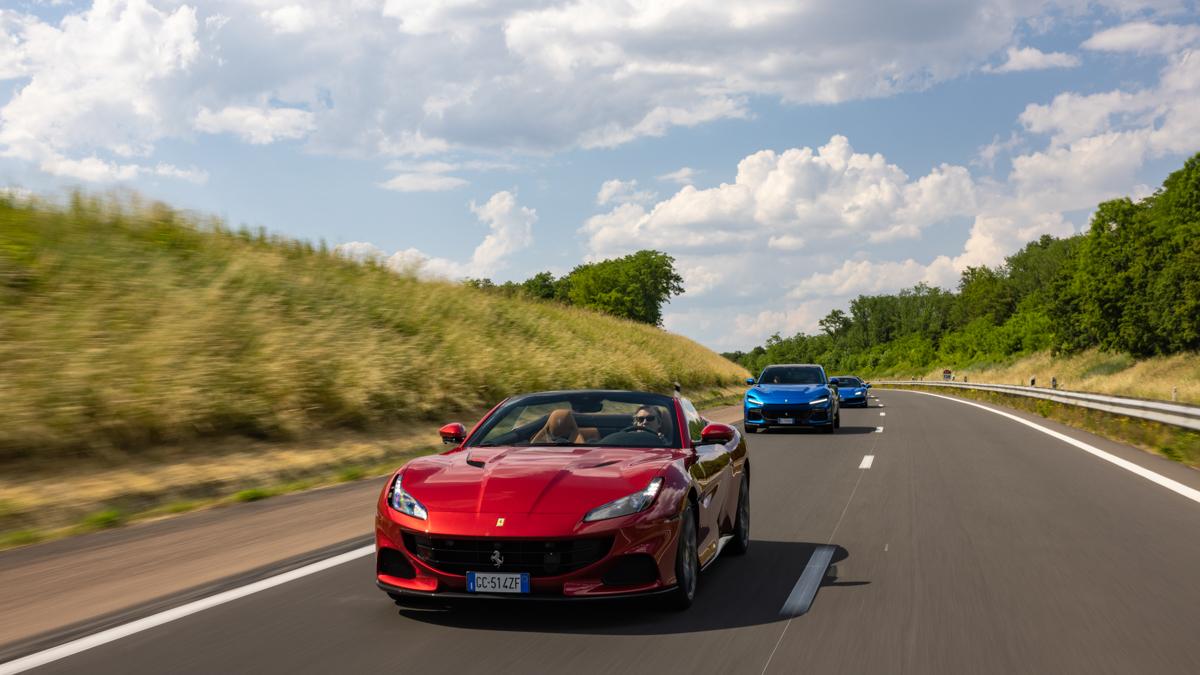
1166	412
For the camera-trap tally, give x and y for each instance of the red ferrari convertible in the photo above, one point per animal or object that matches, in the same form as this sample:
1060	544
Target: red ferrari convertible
570	494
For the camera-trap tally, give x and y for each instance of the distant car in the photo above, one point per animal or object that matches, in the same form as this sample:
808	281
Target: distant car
852	390
791	395
570	494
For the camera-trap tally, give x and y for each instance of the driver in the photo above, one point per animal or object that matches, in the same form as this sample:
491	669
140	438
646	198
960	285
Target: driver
647	419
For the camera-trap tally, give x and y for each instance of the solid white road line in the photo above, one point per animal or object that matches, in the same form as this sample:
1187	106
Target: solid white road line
116	633
806	586
1174	486
867	460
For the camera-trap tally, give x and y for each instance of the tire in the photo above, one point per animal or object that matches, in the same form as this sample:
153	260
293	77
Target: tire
741	520
687	563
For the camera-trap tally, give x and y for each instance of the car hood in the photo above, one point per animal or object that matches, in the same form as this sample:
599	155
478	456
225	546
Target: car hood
789	393
548	480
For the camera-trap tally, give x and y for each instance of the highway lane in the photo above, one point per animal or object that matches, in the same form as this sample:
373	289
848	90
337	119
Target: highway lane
972	544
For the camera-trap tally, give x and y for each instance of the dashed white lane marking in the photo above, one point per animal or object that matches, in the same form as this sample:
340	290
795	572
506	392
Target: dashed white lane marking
1174	486
806	586
116	633
883	414
867	461
879	430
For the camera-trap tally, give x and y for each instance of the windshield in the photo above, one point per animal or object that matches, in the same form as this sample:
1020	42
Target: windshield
625	419
791	375
848	381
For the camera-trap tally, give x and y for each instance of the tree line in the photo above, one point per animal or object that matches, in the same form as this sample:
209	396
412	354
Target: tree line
633	287
1130	283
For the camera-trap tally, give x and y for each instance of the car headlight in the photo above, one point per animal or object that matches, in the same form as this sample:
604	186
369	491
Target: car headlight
624	506
404	502
753	401
819	401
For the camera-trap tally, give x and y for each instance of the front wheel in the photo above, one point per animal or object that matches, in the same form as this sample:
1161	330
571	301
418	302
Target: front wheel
687	563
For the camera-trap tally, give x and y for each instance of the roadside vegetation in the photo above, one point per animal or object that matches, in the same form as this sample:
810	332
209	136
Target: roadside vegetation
1125	291
632	287
161	359
125	325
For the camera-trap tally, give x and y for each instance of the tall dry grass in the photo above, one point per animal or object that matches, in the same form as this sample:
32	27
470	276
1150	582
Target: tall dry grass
124	325
1099	372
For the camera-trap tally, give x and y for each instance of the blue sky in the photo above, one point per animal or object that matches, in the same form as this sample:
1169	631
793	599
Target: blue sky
789	155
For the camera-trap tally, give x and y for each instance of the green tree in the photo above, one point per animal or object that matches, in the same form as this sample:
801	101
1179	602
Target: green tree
635	286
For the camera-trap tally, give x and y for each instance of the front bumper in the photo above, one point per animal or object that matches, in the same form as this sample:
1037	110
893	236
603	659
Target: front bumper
648	547
768	416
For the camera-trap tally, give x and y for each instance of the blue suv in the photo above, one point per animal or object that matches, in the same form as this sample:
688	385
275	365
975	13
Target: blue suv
791	395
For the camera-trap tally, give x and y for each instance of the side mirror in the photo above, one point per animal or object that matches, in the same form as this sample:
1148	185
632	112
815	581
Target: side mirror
867	385
749	380
453	433
717	433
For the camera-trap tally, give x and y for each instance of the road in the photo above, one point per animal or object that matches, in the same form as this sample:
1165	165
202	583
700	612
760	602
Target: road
972	543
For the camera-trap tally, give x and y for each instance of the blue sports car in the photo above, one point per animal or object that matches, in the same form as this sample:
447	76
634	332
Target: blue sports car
852	390
791	395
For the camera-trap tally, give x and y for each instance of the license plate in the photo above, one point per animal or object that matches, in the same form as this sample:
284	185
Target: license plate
491	582
787	420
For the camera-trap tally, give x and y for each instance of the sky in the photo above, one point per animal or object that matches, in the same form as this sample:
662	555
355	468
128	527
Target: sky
789	155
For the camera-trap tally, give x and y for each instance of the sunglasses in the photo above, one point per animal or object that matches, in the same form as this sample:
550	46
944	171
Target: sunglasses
643	418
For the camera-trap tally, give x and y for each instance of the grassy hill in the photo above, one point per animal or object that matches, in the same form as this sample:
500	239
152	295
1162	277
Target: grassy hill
1095	371
126	325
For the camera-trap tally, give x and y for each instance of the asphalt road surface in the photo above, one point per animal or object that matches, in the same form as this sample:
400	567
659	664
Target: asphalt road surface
971	544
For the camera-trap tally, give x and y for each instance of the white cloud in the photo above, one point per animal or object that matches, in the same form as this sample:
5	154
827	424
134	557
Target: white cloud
783	199
510	229
431	176
192	175
290	19
1031	58
406	78
617	191
865	276
360	251
422	182
258	125
99	83
682	176
1143	37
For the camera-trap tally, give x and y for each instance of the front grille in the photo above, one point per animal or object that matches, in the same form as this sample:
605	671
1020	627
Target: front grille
537	557
774	412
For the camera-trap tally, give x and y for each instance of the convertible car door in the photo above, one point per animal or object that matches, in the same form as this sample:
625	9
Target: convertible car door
712	471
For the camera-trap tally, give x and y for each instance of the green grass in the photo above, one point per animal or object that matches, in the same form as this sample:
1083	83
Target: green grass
21	537
252	495
126	326
102	520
